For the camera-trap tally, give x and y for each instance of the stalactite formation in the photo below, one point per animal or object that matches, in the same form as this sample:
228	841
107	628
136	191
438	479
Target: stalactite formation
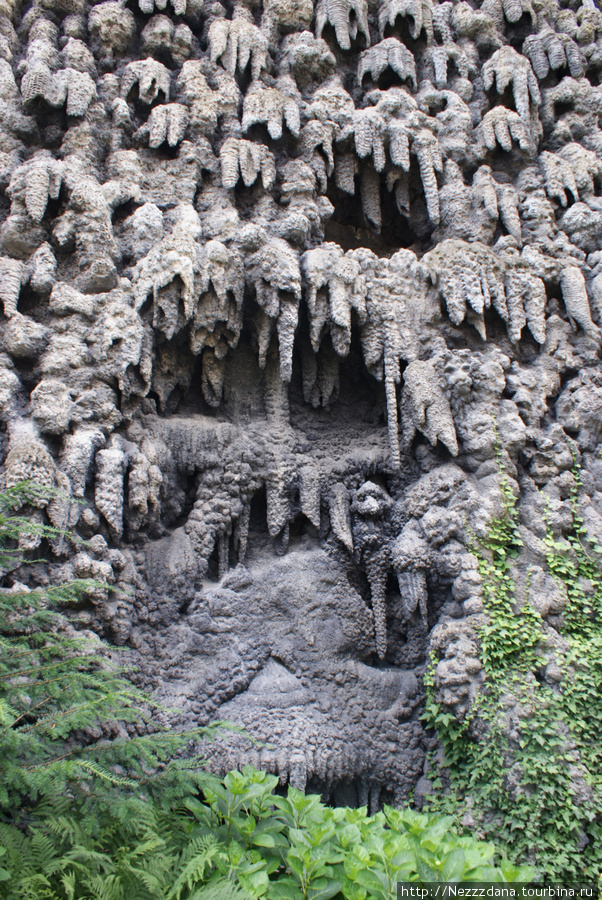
281	283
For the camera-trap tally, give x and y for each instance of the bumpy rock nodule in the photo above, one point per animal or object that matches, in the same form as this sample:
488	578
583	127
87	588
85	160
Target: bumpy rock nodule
277	281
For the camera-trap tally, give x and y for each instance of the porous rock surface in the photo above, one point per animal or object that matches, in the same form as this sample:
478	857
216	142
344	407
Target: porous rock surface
279	279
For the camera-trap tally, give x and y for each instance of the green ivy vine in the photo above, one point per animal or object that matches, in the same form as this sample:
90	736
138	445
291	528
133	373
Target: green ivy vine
576	564
513	775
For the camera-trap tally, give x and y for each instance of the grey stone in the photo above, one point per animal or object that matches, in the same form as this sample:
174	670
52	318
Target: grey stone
276	311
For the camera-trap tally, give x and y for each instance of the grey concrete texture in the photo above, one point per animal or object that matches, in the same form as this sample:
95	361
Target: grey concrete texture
280	282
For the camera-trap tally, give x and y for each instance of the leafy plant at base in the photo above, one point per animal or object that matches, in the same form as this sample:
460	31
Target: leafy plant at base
280	848
300	848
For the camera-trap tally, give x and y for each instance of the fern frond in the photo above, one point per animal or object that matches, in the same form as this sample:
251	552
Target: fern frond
198	859
104	773
68	882
105	887
221	890
63	827
7	714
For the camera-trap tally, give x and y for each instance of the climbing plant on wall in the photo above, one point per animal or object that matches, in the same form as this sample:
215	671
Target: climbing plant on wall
525	761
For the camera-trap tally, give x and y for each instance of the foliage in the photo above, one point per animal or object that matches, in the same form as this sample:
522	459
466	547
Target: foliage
511	637
243	840
60	692
514	757
576	564
319	852
71	780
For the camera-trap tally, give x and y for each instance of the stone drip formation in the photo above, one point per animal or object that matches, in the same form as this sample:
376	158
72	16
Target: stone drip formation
278	282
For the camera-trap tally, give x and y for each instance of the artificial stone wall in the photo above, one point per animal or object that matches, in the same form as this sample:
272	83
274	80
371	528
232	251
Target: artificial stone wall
280	283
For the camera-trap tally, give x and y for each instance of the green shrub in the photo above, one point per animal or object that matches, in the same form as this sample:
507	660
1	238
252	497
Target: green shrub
74	808
243	840
55	684
320	852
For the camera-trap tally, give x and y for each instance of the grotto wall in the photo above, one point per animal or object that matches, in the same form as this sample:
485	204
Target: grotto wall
280	282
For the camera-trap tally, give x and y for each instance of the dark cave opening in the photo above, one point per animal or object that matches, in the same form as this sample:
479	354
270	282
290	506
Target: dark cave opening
402	28
358	43
350	228
352	792
32	305
123	211
384	81
519	31
356	388
259	538
213	564
52	122
301	530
